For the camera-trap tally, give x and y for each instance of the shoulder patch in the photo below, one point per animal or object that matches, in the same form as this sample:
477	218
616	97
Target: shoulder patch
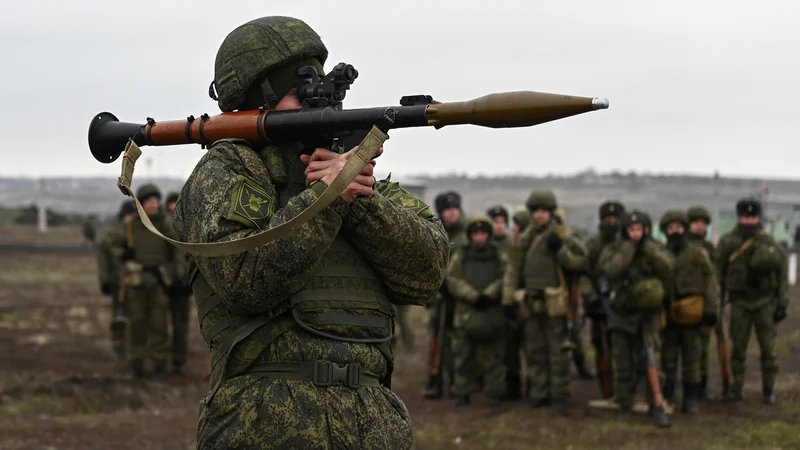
251	205
401	196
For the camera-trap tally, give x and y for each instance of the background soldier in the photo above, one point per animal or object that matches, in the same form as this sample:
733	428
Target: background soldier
520	221
89	230
637	268
537	264
475	279
499	217
448	207
178	303
691	300
109	267
753	270
699	220
299	326
595	304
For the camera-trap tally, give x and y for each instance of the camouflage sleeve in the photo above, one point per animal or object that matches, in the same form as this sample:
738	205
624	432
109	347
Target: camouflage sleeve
515	255
402	240
459	288
660	258
259	279
495	290
712	294
573	255
723	251
615	258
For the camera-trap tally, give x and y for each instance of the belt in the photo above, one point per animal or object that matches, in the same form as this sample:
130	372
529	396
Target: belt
321	373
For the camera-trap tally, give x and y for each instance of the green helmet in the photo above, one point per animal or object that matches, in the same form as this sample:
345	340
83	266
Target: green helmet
172	197
673	215
522	219
265	51
147	191
698	213
648	294
479	223
541	199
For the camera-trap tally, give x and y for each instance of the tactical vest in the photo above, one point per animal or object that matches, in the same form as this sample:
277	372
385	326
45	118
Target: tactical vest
691	274
741	281
150	249
343	300
481	267
540	267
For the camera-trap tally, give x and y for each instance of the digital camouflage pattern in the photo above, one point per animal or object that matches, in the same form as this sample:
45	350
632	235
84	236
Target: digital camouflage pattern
406	248
753	295
109	265
474	271
625	263
533	266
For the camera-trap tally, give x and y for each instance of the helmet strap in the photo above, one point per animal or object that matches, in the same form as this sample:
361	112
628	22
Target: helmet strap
270	99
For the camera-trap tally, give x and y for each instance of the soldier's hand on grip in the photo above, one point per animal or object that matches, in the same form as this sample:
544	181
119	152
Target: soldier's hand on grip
780	314
324	165
554	242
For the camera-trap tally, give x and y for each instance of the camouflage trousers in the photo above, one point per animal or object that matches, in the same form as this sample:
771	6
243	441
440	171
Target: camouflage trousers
743	320
705	349
117	327
474	360
179	313
148	320
511	361
681	346
548	366
628	363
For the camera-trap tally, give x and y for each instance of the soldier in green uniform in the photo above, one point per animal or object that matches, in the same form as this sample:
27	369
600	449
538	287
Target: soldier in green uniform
109	266
475	279
499	216
699	220
521	220
178	303
536	281
89	229
150	267
638	269
299	327
691	300
595	303
753	270
448	207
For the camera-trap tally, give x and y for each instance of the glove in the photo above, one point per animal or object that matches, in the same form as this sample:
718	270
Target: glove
483	302
554	242
128	254
108	288
709	318
510	313
780	314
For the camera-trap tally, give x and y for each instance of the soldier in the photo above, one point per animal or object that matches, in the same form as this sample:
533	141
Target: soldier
109	267
691	297
595	303
448	207
699	220
499	216
475	279
178	304
637	268
151	265
753	271
538	261
89	230
521	220
299	327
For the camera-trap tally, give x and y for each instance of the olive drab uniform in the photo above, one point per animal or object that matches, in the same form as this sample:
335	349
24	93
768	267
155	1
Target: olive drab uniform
701	213
636	273
475	280
536	282
753	269
691	304
299	328
179	307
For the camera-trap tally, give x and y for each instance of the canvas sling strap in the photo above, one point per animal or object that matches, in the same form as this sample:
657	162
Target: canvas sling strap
747	244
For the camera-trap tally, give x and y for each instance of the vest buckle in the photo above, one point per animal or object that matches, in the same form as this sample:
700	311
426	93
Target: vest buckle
327	373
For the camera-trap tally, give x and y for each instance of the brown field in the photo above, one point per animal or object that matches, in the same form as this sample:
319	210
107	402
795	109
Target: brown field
60	388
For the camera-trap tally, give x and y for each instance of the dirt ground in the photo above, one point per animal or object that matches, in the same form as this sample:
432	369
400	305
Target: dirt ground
60	388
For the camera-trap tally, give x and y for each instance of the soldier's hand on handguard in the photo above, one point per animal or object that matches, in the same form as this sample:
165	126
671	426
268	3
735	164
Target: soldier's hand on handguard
325	165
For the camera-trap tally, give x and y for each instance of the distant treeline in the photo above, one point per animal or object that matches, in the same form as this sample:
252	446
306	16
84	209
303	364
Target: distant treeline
29	215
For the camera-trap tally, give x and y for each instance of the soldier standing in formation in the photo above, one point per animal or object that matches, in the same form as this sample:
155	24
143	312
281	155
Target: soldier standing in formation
499	217
178	303
536	281
521	220
691	303
300	326
475	280
753	271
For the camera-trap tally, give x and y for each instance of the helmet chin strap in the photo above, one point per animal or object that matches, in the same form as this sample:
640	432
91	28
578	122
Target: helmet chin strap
270	99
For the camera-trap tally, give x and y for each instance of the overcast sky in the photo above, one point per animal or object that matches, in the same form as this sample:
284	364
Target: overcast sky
694	86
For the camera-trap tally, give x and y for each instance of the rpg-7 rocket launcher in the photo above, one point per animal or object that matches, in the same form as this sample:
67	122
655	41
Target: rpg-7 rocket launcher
322	122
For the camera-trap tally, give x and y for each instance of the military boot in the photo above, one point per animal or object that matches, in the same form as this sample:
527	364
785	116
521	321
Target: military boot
769	396
703	393
461	401
135	370
538	403
625	413
159	370
690	399
662	418
433	388
734	395
668	391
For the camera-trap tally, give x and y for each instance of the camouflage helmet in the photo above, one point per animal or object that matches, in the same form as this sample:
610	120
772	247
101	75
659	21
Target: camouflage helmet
267	51
522	219
541	199
147	191
479	223
698	213
673	215
648	294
